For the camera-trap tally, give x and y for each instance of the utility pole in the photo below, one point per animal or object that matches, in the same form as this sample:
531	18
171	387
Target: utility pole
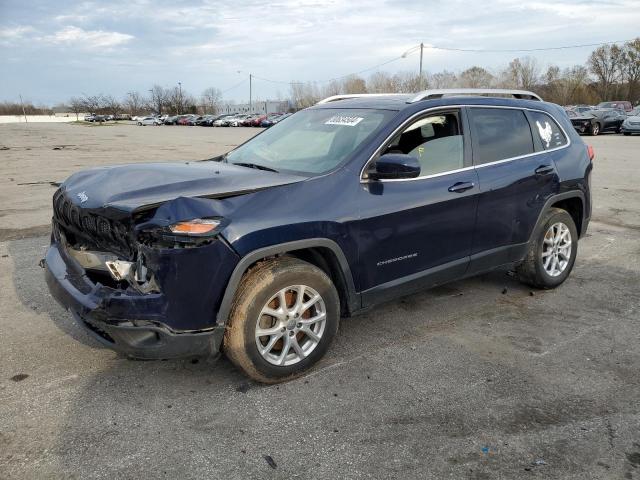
250	93
421	52
23	112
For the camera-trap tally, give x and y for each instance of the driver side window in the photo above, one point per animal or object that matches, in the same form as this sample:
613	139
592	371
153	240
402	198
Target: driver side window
436	141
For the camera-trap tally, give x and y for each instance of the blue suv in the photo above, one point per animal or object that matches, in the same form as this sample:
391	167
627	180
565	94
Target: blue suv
355	201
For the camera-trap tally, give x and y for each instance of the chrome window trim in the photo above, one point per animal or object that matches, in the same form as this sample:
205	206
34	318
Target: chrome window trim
448	172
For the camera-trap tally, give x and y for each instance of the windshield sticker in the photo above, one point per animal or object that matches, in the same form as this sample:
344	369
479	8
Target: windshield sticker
545	132
344	120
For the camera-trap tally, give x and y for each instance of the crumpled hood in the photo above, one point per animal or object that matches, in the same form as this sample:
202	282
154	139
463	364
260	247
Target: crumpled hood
135	186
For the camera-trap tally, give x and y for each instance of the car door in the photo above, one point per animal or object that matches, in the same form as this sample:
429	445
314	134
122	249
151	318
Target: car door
513	156
417	232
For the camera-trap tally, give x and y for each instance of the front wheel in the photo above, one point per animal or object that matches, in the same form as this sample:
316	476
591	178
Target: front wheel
595	129
139	124
283	319
552	251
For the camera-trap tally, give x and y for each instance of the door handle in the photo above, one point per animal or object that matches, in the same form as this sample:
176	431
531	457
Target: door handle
461	187
544	170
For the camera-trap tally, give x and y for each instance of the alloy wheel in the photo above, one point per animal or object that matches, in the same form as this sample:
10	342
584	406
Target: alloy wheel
290	325
556	249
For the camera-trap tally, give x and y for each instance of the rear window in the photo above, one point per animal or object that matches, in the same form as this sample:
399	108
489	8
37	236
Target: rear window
500	134
550	134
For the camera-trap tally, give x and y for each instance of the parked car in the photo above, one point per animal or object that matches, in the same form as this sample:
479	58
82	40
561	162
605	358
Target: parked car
171	120
270	121
222	120
256	121
90	117
202	121
595	122
149	121
584	123
392	195
209	121
236	121
631	124
582	108
618	105
193	119
184	119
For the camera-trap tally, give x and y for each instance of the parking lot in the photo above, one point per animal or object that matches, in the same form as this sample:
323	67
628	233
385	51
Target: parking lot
482	378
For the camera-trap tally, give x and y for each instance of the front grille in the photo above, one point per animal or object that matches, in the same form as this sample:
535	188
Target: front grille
81	224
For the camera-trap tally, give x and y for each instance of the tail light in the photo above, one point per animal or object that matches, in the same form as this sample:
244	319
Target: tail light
590	152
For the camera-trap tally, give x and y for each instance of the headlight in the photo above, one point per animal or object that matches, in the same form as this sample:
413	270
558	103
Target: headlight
195	227
187	232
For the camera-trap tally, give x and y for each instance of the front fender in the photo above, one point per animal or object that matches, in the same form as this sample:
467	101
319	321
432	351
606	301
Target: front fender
274	250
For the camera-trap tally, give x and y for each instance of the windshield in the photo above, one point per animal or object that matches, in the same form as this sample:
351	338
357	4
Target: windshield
311	141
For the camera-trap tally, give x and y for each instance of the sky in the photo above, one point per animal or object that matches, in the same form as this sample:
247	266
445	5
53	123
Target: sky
51	50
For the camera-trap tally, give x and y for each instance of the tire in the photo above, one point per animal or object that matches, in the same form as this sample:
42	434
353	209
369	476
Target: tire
533	270
139	124
595	129
260	289
626	134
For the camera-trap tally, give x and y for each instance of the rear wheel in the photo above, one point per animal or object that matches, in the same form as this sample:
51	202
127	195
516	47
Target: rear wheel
139	124
552	251
283	319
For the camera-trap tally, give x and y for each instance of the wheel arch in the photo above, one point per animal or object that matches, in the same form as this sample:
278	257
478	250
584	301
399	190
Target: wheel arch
572	202
321	252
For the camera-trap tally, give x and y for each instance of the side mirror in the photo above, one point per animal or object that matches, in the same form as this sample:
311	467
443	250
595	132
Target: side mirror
393	166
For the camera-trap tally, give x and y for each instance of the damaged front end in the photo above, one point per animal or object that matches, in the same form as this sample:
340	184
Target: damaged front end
147	283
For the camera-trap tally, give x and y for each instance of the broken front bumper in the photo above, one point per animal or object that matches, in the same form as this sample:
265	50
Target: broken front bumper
177	321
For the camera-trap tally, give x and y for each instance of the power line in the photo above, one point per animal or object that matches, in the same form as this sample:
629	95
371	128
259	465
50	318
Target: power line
434	47
236	85
515	50
331	79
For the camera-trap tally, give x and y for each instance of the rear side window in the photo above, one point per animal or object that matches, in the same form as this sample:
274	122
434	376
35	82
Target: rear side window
550	134
500	134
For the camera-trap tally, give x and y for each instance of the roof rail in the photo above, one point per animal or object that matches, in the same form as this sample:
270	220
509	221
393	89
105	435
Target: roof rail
432	94
335	98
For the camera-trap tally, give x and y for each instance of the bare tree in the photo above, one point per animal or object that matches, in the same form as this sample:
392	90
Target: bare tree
631	69
77	106
158	98
408	82
605	63
211	99
334	87
522	73
111	105
304	94
354	84
134	103
93	103
475	77
444	79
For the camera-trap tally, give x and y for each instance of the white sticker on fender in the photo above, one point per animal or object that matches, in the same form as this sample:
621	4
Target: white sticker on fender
344	120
